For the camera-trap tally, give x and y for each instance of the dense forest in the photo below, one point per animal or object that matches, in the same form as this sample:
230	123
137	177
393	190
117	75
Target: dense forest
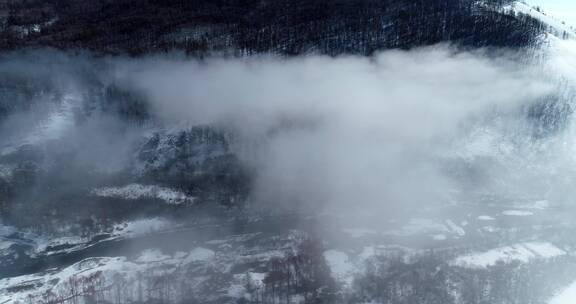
244	27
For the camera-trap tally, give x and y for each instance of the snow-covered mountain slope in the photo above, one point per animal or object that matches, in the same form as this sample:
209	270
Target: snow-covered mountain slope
553	25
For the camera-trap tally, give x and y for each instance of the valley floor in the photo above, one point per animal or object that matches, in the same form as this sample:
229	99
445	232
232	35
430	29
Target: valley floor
522	252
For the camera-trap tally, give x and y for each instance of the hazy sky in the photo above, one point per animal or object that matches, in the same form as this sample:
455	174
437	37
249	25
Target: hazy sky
562	9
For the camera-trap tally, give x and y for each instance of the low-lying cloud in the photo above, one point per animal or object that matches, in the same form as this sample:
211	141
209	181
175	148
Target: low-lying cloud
395	129
348	130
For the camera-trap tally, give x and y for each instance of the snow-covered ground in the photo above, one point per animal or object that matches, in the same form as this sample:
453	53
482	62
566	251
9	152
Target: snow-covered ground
224	255
98	272
485	218
142	227
341	266
438	230
47	244
138	191
36	242
566	296
209	270
557	26
524	252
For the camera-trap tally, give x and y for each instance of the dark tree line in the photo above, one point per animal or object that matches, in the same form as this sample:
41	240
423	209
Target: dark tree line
243	27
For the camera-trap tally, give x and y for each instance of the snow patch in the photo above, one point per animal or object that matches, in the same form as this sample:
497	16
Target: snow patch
341	267
486	218
152	255
52	243
567	296
199	254
517	213
524	253
138	191
455	228
141	227
555	26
